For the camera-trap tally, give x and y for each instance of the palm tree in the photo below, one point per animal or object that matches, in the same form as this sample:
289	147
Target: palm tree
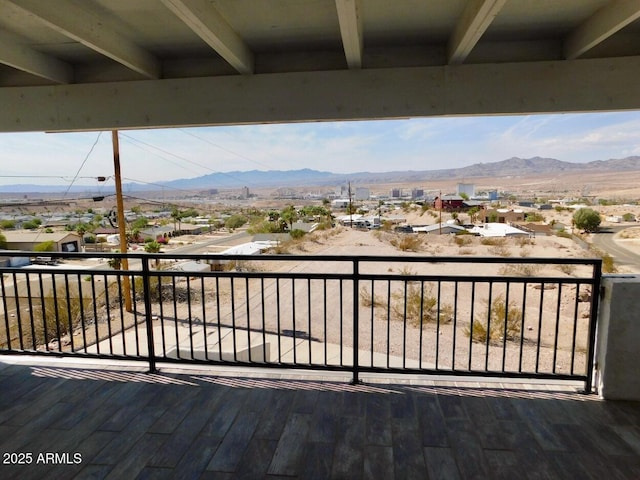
153	247
177	215
289	215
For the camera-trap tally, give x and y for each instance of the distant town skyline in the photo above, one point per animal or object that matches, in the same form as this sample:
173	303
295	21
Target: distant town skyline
149	156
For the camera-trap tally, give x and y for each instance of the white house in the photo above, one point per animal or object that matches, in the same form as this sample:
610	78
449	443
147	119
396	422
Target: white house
498	230
439	228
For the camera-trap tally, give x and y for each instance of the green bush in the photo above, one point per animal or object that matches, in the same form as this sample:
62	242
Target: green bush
534	217
499	314
235	221
152	247
586	219
48	246
31	224
297	233
8	224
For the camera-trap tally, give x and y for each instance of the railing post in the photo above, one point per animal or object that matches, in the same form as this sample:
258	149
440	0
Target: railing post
356	323
595	301
147	311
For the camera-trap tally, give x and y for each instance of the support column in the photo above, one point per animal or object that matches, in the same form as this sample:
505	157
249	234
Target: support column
618	340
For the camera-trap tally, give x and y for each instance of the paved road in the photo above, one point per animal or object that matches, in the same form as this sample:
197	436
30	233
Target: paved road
200	247
604	240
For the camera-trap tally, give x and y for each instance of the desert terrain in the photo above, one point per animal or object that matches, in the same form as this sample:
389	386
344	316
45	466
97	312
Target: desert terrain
312	314
555	316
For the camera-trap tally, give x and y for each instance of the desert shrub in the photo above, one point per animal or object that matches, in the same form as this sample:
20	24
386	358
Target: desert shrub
465	251
520	269
281	248
369	300
504	322
386	226
265	226
409	243
522	241
58	315
164	289
462	240
418	306
628	233
493	241
608	264
406	271
241	266
567	269
500	251
297	233
324	225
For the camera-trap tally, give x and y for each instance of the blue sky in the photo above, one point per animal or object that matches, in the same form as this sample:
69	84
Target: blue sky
344	147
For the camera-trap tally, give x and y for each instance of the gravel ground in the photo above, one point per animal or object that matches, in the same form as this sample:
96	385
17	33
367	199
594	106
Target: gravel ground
391	335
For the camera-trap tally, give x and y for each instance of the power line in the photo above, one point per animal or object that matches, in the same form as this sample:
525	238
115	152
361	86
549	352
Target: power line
244	157
184	159
82	165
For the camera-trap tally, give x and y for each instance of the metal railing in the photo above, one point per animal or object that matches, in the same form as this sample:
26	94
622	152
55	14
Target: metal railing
490	316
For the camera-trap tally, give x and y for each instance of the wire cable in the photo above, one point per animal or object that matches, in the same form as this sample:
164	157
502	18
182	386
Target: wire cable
82	165
135	140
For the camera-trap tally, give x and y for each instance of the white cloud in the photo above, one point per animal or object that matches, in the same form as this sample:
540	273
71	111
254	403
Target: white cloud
417	144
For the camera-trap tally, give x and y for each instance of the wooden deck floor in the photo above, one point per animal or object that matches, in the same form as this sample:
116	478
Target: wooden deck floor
119	422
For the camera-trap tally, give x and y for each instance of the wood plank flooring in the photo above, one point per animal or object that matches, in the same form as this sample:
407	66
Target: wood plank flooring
117	422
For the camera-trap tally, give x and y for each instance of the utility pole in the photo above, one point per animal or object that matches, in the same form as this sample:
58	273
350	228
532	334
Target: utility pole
122	225
350	207
440	200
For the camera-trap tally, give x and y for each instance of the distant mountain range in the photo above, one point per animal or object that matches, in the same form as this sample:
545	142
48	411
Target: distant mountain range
514	166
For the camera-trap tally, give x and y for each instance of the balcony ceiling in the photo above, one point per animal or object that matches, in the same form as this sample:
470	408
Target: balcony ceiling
101	64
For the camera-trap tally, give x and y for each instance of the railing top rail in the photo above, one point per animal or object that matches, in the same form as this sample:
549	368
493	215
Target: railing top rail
310	258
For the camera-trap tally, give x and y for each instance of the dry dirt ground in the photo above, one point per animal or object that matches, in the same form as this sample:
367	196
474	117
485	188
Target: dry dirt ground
554	315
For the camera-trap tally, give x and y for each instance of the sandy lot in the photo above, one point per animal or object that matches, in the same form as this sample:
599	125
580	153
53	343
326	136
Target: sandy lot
436	333
552	317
